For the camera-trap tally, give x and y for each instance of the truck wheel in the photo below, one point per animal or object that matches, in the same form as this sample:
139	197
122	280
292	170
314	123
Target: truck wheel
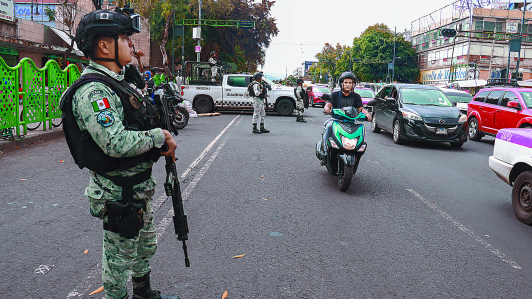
203	105
285	107
522	197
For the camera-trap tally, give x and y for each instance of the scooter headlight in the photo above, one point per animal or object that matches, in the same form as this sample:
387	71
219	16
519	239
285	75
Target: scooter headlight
349	144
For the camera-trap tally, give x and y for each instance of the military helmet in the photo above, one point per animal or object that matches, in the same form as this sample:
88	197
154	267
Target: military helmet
299	81
257	75
104	22
346	75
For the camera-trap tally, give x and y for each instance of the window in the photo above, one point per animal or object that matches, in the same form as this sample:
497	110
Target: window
427	97
482	96
527	96
494	97
237	81
508	96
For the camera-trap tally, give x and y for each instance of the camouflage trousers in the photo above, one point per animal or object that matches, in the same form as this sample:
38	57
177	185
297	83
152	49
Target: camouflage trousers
258	111
300	107
122	257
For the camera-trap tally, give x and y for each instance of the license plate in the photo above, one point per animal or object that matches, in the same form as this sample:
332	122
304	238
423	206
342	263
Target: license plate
441	131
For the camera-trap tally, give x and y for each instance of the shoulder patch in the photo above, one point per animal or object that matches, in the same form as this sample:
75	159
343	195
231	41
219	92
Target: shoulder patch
105	118
100	105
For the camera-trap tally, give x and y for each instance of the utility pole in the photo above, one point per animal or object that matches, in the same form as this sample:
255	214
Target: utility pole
521	37
199	26
393	61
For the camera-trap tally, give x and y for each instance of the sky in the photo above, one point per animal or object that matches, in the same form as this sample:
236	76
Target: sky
306	25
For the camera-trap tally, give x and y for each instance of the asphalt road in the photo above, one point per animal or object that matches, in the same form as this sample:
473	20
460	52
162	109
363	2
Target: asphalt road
419	220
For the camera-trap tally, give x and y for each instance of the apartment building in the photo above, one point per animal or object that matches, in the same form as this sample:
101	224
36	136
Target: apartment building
481	49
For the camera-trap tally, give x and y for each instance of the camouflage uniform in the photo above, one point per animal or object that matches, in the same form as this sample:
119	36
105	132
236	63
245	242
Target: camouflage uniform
300	105
99	110
258	105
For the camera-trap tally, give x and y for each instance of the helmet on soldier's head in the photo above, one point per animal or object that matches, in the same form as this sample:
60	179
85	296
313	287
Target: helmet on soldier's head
104	22
299	81
257	75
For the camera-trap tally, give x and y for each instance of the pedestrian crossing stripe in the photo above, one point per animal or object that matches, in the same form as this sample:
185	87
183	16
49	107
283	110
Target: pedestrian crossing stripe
100	105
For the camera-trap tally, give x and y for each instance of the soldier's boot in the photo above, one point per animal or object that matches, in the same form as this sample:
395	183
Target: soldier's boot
142	289
301	119
262	129
255	130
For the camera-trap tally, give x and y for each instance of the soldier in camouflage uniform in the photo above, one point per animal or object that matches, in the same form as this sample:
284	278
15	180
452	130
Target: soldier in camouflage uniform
300	97
99	110
258	104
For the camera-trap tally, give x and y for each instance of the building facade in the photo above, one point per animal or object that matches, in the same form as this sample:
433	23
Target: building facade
481	48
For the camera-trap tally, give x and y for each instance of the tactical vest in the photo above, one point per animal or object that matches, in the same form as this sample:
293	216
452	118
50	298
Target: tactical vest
84	150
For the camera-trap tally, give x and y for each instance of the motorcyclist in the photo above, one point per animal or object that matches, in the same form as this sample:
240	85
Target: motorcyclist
345	97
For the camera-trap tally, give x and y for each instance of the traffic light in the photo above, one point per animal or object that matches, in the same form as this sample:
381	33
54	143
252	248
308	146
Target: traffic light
448	32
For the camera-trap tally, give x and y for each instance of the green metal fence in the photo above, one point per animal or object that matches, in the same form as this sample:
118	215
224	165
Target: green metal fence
159	78
41	90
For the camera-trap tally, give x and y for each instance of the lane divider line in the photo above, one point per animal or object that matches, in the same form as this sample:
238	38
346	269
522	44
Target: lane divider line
207	149
168	217
467	231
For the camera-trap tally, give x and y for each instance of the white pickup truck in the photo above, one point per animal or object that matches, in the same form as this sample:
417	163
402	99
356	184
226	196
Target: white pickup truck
233	94
512	162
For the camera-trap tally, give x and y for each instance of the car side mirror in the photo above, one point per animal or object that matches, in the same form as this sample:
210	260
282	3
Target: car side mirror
372	103
514	104
390	101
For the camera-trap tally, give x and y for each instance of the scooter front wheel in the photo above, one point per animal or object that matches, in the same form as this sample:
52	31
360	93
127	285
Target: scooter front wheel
345	174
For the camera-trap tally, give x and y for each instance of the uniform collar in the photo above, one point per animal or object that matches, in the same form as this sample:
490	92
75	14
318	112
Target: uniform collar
108	72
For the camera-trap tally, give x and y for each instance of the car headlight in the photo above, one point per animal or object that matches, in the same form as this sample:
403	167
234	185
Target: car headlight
411	115
349	144
463	118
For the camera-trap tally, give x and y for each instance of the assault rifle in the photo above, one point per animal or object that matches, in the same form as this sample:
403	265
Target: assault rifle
171	185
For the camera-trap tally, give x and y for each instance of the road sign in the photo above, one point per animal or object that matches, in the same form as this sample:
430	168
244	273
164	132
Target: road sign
198	49
246	24
179	30
448	32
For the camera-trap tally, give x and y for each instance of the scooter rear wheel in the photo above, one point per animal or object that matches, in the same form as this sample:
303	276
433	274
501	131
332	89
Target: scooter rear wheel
345	174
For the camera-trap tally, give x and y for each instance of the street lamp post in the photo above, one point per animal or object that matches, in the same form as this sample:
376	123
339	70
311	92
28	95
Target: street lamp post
199	26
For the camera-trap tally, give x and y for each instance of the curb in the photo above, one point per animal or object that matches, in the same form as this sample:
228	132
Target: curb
29	139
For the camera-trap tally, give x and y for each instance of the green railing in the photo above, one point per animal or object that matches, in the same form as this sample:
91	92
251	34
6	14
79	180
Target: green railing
159	78
41	92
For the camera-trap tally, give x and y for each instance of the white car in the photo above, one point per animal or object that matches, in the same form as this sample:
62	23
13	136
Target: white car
512	162
461	98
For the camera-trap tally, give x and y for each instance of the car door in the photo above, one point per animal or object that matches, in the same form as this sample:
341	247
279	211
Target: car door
507	117
487	111
391	109
236	92
381	105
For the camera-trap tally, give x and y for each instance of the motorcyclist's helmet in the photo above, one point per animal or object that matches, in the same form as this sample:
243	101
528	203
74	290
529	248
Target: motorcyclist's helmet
257	75
299	81
346	75
147	75
108	23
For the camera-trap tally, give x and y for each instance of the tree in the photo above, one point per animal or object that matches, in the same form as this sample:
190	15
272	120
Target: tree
374	48
330	61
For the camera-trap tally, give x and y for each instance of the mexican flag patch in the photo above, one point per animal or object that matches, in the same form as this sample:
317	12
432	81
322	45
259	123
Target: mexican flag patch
101	105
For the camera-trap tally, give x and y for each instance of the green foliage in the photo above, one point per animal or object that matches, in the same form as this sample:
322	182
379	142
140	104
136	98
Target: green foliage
377	43
50	13
242	46
332	61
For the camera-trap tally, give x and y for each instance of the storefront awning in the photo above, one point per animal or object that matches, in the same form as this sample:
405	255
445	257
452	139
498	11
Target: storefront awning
471	83
64	36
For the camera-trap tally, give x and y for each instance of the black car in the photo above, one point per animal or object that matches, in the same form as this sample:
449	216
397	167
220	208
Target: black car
418	112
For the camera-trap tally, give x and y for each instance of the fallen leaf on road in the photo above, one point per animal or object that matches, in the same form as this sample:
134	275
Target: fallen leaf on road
61	161
487	236
261	176
23	179
86	251
225	294
96	291
238	256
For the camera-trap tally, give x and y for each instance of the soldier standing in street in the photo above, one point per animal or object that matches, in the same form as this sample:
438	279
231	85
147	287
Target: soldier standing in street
259	97
300	92
214	67
108	131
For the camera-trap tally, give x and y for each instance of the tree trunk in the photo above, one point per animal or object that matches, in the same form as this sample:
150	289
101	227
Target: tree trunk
167	70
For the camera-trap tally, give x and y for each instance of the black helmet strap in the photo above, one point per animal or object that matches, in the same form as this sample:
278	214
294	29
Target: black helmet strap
115	60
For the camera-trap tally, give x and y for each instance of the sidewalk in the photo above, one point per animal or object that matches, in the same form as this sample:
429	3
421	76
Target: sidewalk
32	137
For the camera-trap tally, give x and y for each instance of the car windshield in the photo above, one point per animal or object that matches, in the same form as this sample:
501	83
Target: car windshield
364	93
527	96
320	89
459	97
428	97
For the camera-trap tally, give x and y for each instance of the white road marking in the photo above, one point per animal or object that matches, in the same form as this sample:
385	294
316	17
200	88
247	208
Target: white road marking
208	148
84	286
466	230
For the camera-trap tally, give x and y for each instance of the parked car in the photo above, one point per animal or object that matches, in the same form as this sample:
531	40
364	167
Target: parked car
367	95
418	112
314	95
458	98
512	162
496	108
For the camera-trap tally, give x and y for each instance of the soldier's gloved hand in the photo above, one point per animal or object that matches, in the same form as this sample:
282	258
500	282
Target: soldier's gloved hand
172	145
